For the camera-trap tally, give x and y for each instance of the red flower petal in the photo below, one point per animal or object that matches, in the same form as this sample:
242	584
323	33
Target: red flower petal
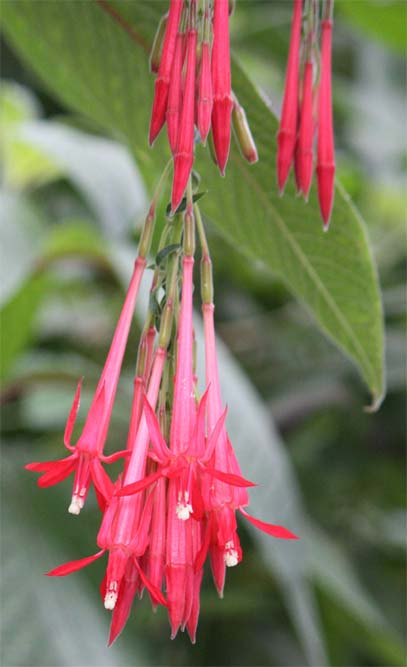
229	478
58	472
101	480
72	416
74	565
270	528
155	592
116	456
157	440
142	484
202	553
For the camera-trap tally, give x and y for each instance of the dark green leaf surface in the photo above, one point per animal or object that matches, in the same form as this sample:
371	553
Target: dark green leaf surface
102	71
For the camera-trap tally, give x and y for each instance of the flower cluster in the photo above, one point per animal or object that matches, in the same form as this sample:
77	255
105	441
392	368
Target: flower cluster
302	118
174	505
191	57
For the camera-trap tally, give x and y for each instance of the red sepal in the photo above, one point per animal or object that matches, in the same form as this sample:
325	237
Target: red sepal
142	484
155	592
57	473
270	528
229	478
72	417
101	480
74	565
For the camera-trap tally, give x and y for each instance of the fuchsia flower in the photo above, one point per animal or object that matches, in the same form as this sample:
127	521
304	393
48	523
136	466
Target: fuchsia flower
175	93
124	532
287	133
221	498
221	83
305	148
87	455
205	96
163	79
184	154
326	151
175	502
302	143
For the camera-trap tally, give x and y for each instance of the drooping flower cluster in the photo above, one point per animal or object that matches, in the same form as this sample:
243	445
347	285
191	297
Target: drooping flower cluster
307	106
174	505
191	56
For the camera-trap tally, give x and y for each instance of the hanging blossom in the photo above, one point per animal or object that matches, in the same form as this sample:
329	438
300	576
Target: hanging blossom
174	505
193	94
87	455
307	106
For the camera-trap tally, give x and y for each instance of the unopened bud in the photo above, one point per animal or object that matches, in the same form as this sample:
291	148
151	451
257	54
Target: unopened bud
206	280
243	134
157	48
147	233
189	233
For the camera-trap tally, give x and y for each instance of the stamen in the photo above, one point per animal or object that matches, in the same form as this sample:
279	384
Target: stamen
110	600
230	556
183	508
111	596
76	505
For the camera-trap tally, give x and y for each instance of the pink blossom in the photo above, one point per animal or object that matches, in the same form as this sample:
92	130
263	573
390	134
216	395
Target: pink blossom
221	83
326	150
87	455
287	133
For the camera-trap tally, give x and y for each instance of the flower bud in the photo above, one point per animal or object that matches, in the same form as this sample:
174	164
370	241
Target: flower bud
156	49
243	134
326	150
287	133
184	156
221	82
163	80
305	152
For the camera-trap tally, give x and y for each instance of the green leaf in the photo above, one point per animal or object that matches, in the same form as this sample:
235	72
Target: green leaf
183	204
332	274
23	165
168	250
384	20
18	320
100	168
21	235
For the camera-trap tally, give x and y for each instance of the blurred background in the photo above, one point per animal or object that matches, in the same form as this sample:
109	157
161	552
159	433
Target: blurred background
71	203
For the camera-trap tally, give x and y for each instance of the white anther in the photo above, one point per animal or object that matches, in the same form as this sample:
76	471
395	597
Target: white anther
75	506
110	600
230	556
183	508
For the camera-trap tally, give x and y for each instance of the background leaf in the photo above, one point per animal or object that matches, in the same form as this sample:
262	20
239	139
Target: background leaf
333	274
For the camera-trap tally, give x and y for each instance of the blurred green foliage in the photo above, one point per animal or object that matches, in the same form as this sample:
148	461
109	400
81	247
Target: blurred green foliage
71	203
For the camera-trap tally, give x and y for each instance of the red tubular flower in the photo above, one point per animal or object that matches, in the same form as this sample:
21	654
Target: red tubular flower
205	97
164	72
222	497
87	455
175	93
221	82
184	156
326	150
124	532
287	133
305	147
